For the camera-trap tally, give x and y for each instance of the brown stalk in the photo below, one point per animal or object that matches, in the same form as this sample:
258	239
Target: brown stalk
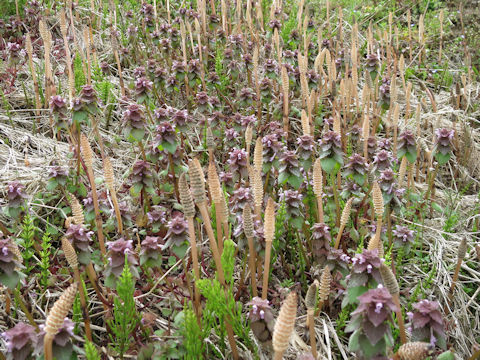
189	212
462	251
284	326
71	80
56	318
217	197
269	230
310	300
110	181
72	260
117	59
343	221
379	209
391	284
197	182
248	230
87	155
285	91
318	188
29	47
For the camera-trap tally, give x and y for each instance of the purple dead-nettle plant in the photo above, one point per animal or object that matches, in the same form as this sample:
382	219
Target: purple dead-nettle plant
117	251
271	68
246	97
312	78
271	148
443	145
261	319
385	144
20	341
354	134
166	137
80	238
391	194
294	207
180	118
305	149
142	179
143	87
240	198
330	152
231	136
238	163
372	145
426	323
89	208
384	91
351	188
9	263
160	76
58	106
132	32
134	123
248	120
16	197
194	71
365	274
371	324
139	72
321	239
203	101
382	160
266	86
170	84
372	62
338	262
157	217
356	168
226	178
403	237
88	98
407	146
57	175
289	171
177	234
178	69
125	213
62	344
150	253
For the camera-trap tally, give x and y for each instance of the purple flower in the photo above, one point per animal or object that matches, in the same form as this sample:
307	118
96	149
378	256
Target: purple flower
20	341
177	231
403	235
116	256
15	194
444	139
79	237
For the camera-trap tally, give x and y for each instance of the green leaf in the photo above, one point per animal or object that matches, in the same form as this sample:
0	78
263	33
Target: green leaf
442	158
328	165
354	292
171	148
136	188
447	355
411	156
136	134
282	178
52	184
11	280
353	342
295	181
80	116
